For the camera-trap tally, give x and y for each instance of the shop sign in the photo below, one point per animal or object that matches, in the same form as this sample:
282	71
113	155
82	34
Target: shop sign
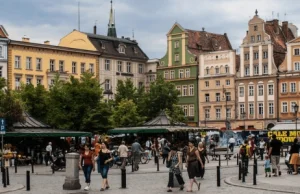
285	136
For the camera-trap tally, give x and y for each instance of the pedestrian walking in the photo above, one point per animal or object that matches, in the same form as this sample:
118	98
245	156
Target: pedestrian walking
193	157
294	152
245	154
203	157
104	158
123	153
274	152
175	161
165	151
155	149
87	164
231	143
48	153
267	165
149	148
262	146
136	150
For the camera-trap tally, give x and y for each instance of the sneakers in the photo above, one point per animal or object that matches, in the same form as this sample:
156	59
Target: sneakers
279	173
87	188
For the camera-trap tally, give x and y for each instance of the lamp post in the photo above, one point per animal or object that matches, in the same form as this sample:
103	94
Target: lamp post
296	107
244	117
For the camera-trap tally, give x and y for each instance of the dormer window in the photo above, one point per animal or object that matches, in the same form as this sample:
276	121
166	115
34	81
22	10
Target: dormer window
102	45
121	49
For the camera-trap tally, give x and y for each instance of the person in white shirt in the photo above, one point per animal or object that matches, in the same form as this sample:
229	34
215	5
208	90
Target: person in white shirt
231	143
148	148
262	145
48	153
123	153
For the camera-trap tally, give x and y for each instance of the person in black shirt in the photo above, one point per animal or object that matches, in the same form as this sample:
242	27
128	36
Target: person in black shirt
274	153
294	152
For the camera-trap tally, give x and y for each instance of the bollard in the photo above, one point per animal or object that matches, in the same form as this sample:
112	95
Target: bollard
219	160
2	171
16	165
32	168
218	177
4	177
254	174
237	159
240	170
132	169
52	166
244	172
27	180
123	178
215	154
255	164
157	163
7	176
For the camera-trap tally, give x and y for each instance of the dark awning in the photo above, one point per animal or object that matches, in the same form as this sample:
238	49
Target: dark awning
46	133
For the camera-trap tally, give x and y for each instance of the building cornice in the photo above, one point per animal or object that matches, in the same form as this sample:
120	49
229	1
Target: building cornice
177	67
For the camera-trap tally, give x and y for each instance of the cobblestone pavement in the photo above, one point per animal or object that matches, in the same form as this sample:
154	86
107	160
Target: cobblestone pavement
145	181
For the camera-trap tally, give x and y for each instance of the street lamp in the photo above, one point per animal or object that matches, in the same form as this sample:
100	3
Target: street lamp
244	117
296	107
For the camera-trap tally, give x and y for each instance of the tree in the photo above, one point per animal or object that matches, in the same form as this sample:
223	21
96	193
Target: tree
126	114
125	90
162	95
176	115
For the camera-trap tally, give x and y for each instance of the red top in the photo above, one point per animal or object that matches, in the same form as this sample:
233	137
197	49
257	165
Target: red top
87	158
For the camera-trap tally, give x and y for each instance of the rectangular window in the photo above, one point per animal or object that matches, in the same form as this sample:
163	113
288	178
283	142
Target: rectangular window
107	65
297	66
28	80
265	69
218	83
73	67
284	107
251	109
128	67
191	90
228	96
217	70
247	56
207	113
61	66
120	66
227	82
293	107
176	57
52	65
38	64
218	97
166	74
172	74
283	88
178	88
28	62
226	69
271	108
38	81
271	89
228	113
176	45
52	81
255	55
187	73
107	84
17	62
185	110
256	69
265	54
247	71
141	68
17	83
252	39
218	113
206	97
258	38
1	71
184	91
293	87
242	92
260	108
251	90
206	84
191	110
242	110
140	85
180	73
91	68
260	90
296	52
82	67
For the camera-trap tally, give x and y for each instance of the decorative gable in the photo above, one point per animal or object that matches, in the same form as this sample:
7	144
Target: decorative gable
176	29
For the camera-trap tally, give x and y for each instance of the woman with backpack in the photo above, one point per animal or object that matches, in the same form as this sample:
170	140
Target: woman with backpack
245	153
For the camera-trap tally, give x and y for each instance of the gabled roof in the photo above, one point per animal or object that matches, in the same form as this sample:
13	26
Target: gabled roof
162	120
109	45
30	122
3	33
202	41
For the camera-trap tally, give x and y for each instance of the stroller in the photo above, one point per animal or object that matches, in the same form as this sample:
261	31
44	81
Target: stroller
290	167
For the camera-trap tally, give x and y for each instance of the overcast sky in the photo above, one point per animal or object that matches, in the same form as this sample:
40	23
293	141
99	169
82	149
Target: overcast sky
42	20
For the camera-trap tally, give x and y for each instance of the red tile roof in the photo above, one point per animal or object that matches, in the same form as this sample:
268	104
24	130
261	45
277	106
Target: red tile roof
201	41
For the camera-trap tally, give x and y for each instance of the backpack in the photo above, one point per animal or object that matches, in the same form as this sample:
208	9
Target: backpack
243	150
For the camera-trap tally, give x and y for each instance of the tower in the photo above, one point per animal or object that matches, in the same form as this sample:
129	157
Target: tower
111	24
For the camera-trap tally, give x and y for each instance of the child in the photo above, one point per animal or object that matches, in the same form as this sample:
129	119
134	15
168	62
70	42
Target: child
267	165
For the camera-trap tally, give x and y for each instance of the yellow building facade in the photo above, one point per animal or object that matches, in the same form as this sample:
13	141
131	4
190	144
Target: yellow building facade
39	63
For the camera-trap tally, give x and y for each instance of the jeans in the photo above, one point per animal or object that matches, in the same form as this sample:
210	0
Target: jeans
87	170
136	160
103	170
171	179
231	147
261	152
48	158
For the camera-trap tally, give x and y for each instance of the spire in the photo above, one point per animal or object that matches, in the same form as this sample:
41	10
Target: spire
111	24
256	12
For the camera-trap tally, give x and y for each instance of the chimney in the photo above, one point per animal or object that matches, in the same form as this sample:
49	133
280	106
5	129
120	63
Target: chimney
247	32
122	37
95	29
25	39
47	42
285	28
276	26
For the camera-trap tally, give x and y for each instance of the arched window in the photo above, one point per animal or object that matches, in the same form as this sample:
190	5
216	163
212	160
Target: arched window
207	71
226	69
217	70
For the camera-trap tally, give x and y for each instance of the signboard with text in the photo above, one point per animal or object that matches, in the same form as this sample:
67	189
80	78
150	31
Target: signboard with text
2	126
285	136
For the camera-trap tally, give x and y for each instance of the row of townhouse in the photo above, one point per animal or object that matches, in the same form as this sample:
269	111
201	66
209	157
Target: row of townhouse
252	90
109	58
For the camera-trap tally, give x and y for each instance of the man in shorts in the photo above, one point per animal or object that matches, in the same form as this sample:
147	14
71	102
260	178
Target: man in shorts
274	153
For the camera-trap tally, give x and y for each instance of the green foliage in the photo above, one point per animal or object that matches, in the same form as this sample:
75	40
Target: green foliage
176	115
126	114
125	90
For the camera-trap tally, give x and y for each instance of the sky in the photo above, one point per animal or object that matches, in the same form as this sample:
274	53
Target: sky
150	20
